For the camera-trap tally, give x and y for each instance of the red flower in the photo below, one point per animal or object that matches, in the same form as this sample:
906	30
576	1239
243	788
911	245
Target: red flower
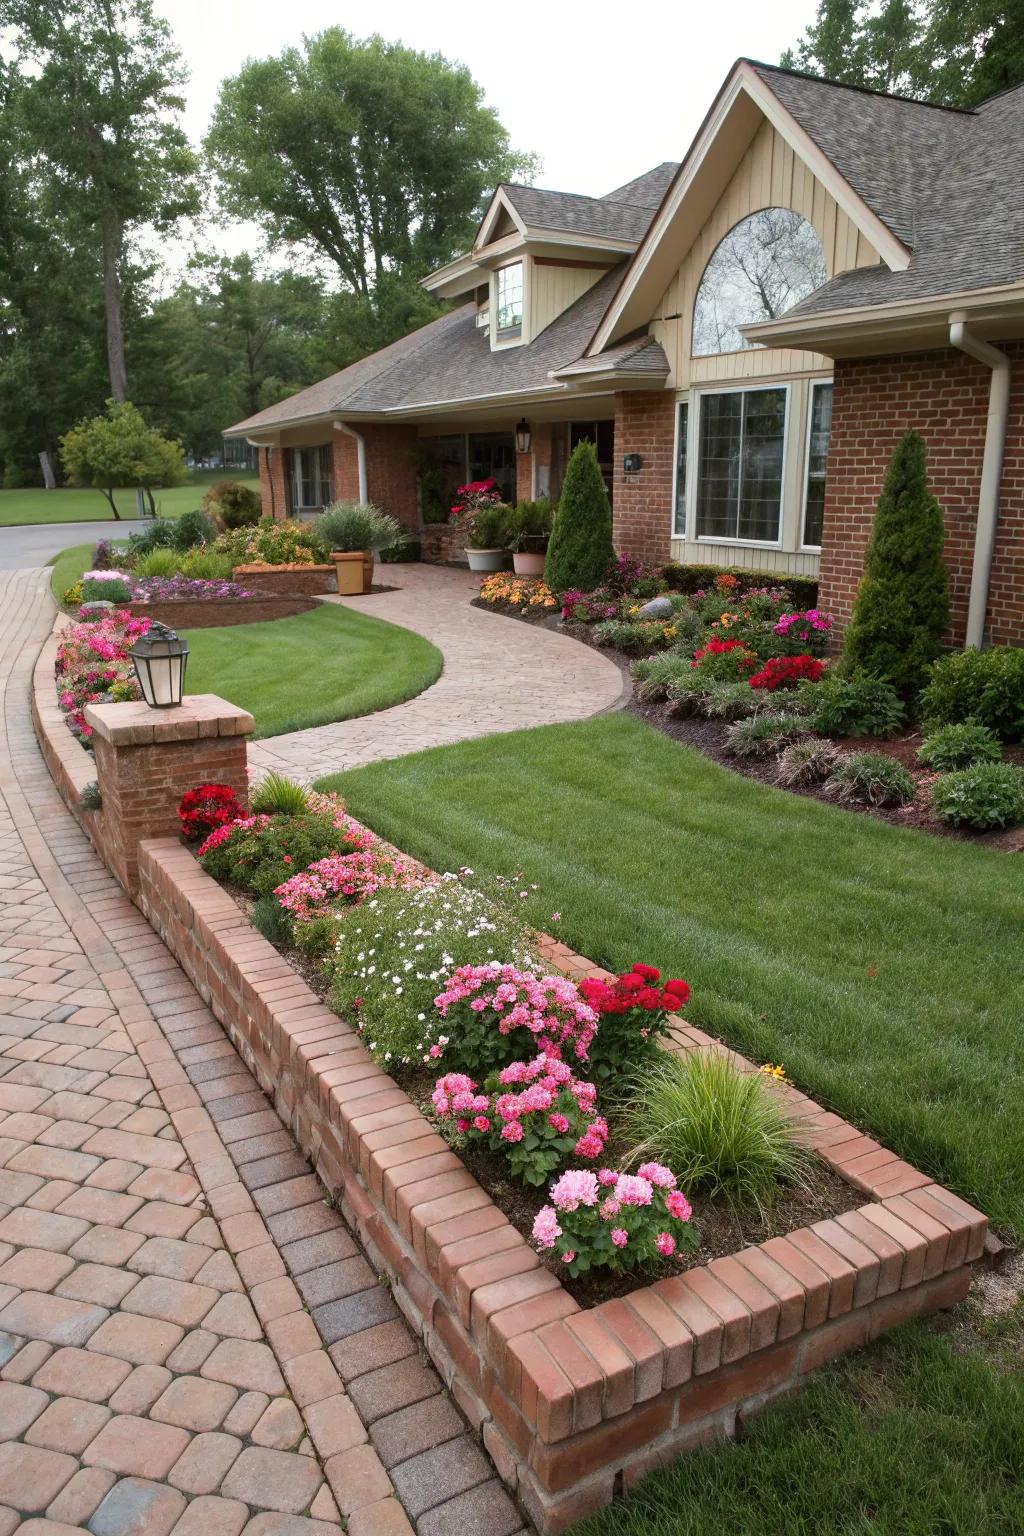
648	972
678	990
208	806
786	672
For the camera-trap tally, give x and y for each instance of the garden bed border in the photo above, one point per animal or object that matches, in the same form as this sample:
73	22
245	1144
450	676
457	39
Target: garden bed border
573	1404
219	612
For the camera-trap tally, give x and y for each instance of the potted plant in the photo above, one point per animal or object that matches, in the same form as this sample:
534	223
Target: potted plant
482	512
352	533
527	531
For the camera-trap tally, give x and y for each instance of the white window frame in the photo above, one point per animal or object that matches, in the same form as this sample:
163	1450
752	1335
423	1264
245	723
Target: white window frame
812	385
681	400
511	338
297	477
692	467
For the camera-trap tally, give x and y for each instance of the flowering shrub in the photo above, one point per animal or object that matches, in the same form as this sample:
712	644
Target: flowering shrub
261	852
804	631
726	583
588	607
615	1220
191	588
206	807
494	1014
624	575
786	672
270	543
474	495
633	1012
393	955
93	664
521	592
551	1116
725	660
350	876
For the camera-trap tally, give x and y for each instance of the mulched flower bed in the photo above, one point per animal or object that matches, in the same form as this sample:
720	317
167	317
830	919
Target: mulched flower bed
708	736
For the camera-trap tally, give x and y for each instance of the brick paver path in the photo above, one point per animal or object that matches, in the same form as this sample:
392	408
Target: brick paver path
499	675
190	1338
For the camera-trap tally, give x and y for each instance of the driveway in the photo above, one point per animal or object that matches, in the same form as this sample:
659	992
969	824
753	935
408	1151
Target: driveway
35	544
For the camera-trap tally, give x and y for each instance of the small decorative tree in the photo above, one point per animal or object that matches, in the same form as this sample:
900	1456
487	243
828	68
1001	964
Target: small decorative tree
118	449
902	606
580	551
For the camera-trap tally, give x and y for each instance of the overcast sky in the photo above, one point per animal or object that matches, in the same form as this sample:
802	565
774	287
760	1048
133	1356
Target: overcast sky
599	92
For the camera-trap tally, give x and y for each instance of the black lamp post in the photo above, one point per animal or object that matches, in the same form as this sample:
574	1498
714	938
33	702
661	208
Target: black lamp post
524	437
160	657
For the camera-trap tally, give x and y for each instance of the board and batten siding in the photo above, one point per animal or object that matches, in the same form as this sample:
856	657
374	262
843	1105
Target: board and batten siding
551	288
770	175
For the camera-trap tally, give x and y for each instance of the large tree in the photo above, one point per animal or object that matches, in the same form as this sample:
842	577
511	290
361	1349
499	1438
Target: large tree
98	106
367	153
955	52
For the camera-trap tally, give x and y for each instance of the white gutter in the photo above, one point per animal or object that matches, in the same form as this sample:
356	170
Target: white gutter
991	470
340	426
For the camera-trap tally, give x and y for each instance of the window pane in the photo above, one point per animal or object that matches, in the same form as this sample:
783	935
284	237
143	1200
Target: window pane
307	472
718	462
326	475
739	465
817	458
765	264
764	426
509	286
679	514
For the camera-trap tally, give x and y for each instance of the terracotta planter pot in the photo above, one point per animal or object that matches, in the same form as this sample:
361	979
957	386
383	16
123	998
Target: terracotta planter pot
354	570
486	559
525	563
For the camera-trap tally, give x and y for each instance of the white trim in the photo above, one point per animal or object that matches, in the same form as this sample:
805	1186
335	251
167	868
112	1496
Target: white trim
745	81
500	200
518	338
682	398
697	394
931	307
812	385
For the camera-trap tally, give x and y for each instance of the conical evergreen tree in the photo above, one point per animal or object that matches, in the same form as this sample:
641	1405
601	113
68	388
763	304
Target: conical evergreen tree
902	607
581	550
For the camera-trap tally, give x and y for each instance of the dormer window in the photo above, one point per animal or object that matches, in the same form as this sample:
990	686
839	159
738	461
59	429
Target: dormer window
508	301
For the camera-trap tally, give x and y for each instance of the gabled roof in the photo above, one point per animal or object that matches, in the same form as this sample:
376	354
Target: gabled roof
646	191
576	214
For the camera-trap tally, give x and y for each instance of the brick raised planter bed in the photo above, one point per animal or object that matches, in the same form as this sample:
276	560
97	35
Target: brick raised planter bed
186	613
284	580
572	1404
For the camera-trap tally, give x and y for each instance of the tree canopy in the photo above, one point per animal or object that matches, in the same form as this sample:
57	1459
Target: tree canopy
955	52
118	449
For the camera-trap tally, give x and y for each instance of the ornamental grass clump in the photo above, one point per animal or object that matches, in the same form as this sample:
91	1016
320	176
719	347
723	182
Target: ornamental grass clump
959	746
985	797
656	673
870	778
393	955
535	1113
276	794
493	1014
806	763
763	734
724	1131
614	1220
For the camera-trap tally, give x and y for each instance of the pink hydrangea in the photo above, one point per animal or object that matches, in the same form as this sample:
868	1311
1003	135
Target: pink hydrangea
665	1244
678	1206
657	1174
512	1130
558	1123
620	1237
632	1190
545	1227
576	1187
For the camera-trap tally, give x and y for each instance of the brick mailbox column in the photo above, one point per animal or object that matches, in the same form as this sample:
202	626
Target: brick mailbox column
147	758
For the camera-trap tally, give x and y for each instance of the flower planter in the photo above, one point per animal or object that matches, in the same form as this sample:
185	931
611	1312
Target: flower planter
526	563
354	570
485	559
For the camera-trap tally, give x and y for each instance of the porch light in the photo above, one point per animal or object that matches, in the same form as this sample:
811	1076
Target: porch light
160	657
524	436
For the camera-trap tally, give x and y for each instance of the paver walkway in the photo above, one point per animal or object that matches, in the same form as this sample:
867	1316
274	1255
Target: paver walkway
499	675
190	1338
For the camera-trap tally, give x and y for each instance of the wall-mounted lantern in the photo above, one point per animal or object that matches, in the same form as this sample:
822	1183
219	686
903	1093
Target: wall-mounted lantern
524	437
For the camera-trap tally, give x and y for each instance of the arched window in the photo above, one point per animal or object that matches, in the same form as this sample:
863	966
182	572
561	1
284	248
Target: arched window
767	262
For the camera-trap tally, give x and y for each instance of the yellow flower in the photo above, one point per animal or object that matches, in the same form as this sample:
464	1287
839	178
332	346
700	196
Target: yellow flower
778	1072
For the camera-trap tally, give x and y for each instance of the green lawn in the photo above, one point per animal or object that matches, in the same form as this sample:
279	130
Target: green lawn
329	664
68	566
73	506
883	967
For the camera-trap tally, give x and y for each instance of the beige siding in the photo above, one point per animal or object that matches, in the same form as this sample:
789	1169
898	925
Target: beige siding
769	175
749	557
550	291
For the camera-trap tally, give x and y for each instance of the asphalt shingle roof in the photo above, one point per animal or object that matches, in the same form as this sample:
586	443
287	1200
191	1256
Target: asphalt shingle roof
578	215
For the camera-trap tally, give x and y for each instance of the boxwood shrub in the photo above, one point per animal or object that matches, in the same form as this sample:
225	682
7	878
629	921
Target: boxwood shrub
986	686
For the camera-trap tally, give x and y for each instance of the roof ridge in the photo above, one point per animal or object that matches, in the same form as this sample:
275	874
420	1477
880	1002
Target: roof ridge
864	90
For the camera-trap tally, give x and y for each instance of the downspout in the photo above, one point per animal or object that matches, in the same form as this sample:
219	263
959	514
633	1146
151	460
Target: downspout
340	426
991	471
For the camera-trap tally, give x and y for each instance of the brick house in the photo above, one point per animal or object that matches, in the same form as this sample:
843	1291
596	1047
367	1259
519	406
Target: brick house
744	336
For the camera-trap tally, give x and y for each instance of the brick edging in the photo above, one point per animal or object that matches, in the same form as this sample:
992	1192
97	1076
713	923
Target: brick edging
572	1404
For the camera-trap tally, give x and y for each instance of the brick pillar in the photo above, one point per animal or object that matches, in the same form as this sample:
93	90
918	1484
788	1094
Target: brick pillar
524	476
345	452
147	758
273	484
391	471
642	501
542	436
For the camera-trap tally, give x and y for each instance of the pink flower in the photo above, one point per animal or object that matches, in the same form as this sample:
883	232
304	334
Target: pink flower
568	1256
620	1237
678	1206
665	1244
481	1123
512	1131
545	1227
658	1174
633	1191
609	1208
576	1187
559	1123
608	1176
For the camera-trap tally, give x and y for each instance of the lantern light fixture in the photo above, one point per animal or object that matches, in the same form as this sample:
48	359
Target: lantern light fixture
524	436
160	657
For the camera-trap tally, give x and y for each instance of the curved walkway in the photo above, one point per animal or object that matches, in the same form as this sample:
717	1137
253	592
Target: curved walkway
191	1342
499	675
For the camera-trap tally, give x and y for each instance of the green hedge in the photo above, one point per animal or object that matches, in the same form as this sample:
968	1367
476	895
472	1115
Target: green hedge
691	578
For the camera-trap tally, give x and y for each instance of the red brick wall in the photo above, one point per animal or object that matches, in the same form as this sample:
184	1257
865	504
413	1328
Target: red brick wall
642	502
346	467
273	486
944	395
391	471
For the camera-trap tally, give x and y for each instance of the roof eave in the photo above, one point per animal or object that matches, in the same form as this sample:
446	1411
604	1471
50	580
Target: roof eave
863	330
